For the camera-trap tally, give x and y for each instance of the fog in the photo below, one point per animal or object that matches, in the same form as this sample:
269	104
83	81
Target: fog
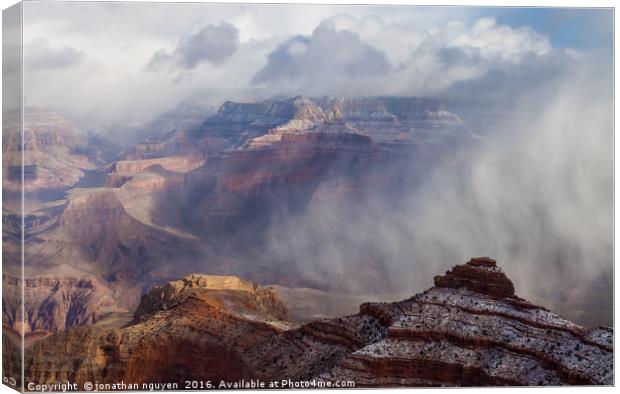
535	194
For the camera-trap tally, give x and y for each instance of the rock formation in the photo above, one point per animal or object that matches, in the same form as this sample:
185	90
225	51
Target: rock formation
240	122
55	155
480	275
200	329
123	170
53	304
472	330
468	330
387	119
265	300
259	124
93	232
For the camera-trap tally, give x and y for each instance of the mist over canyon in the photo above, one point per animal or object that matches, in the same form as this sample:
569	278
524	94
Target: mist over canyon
353	197
296	225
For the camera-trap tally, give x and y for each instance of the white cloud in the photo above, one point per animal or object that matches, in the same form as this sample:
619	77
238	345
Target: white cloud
415	61
496	42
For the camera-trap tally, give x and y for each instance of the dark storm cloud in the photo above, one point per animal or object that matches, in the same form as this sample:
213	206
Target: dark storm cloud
212	44
315	61
39	55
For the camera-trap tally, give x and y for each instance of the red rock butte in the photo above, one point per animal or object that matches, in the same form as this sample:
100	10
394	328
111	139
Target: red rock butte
480	274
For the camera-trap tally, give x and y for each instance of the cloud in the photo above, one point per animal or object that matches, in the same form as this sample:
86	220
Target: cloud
40	55
431	61
329	56
212	44
497	42
369	56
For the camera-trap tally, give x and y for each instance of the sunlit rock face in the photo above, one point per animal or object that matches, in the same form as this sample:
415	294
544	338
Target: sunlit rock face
239	122
123	170
458	333
199	327
264	301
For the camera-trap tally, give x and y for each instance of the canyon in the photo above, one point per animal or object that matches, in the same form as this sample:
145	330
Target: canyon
198	193
211	194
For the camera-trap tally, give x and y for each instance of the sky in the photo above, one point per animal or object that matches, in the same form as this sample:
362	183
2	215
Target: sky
108	63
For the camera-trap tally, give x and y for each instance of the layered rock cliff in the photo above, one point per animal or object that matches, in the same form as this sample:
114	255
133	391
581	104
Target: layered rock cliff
468	330
240	122
384	119
417	120
55	155
55	304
